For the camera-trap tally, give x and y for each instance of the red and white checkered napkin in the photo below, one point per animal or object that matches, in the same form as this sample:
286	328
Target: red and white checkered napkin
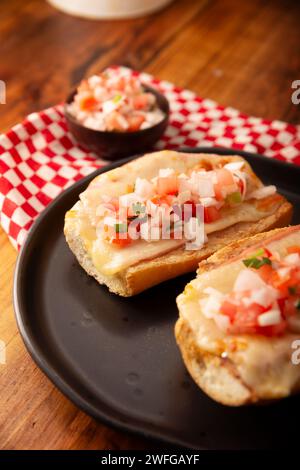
39	158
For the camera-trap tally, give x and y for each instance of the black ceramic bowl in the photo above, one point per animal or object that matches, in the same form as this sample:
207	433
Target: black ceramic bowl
113	145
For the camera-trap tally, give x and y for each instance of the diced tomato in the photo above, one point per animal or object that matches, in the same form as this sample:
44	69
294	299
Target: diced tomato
225	184
116	121
120	240
163	199
245	320
284	285
168	199
225	177
219	195
173	192
248	315
120	84
141	102
211	214
229	309
240	184
193	206
265	272
293	249
167	185
135	122
87	103
272	330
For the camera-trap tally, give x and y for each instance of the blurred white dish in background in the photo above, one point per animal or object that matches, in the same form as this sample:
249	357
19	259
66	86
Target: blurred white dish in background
109	9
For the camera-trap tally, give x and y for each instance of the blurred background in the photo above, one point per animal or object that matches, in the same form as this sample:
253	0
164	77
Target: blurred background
243	54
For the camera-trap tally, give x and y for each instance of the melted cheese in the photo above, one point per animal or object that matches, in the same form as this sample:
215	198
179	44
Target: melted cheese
110	259
263	363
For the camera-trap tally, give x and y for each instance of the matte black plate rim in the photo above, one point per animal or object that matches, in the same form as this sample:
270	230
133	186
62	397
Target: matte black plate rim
35	351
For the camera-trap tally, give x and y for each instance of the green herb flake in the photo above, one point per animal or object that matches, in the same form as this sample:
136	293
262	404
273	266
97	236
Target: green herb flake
297	304
256	263
292	290
234	198
117	98
259	252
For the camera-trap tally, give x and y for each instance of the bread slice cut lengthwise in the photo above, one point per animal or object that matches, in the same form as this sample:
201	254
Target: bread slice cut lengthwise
149	272
235	369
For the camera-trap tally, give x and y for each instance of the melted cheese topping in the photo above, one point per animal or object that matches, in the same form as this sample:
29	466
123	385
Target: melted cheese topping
110	259
263	363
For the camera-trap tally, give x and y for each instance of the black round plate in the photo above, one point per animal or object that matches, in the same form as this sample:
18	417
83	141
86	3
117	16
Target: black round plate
116	358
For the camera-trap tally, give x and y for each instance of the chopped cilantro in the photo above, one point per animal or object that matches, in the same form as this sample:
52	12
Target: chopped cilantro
117	98
256	263
234	198
259	252
292	290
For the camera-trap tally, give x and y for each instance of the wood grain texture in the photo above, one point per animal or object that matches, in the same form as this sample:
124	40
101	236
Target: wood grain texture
243	54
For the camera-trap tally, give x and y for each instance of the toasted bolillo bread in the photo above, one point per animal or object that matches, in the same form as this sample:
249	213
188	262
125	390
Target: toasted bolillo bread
130	268
237	350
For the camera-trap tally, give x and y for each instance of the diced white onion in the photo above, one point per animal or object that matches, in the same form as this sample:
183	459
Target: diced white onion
292	260
184	196
94	80
214	292
210	306
209	201
233	166
165	172
184	184
110	221
248	280
202	184
265	296
143	188
272	317
109	106
283	272
222	322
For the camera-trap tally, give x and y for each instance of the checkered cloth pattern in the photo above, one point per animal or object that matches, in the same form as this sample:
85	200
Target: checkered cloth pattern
39	158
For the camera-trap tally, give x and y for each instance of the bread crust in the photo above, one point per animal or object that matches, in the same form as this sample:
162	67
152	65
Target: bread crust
150	272
216	375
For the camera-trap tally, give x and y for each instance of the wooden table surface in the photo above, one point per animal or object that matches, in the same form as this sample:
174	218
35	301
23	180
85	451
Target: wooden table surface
243	54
